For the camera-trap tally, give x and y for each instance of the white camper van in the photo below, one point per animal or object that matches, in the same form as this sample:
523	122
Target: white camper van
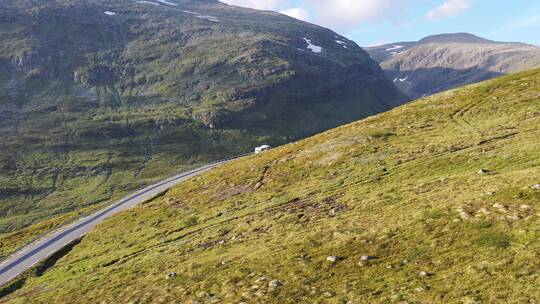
262	149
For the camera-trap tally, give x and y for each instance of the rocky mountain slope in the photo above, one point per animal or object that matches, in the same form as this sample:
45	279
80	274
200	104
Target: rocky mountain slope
98	97
437	201
441	62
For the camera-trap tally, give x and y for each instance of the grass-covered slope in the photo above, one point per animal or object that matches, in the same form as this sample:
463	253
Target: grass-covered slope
98	98
441	192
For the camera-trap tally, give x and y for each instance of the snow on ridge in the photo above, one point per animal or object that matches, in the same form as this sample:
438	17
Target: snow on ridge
208	17
395	47
401	79
167	2
148	2
109	13
199	15
314	48
342	43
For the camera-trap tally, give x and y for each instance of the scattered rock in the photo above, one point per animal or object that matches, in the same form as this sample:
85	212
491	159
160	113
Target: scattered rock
501	207
484	171
329	294
366	258
334	258
482	211
204	294
525	207
463	214
471	301
424	274
537	187
171	275
275	284
261	279
513	218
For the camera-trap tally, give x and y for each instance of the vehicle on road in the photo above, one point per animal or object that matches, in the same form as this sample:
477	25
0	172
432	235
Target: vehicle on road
262	148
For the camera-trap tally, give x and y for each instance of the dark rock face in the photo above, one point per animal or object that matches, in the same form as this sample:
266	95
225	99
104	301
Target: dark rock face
441	62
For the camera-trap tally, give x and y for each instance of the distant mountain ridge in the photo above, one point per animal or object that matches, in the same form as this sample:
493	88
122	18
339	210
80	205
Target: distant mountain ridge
441	62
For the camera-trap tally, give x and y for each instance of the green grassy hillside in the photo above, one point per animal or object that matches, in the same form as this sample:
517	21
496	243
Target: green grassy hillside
440	194
98	98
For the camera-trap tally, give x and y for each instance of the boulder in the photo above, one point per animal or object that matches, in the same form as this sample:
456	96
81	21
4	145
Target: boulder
275	284
525	207
366	258
334	258
329	294
424	274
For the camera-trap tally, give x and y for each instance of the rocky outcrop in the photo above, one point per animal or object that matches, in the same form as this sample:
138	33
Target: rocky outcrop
214	118
94	76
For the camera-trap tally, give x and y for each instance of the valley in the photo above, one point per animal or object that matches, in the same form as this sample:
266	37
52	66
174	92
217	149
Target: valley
435	201
199	151
101	98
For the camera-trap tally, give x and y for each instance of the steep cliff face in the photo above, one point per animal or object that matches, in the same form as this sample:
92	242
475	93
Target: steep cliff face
441	62
100	97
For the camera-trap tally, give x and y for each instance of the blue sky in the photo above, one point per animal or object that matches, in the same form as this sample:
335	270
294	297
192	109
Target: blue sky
372	22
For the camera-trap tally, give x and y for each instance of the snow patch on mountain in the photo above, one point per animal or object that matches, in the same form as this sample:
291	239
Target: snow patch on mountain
201	16
148	2
167	2
314	48
342	43
395	47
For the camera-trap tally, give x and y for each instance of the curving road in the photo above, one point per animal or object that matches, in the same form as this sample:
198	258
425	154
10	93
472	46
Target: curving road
45	247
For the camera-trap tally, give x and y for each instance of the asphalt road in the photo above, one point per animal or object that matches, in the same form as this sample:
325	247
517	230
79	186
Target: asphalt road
38	251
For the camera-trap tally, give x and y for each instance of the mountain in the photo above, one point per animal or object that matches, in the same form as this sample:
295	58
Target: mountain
98	98
441	62
436	201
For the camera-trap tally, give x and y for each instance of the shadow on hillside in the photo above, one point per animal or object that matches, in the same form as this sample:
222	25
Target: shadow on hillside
425	82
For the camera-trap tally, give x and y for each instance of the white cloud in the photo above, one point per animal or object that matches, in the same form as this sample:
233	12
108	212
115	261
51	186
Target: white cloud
336	14
257	4
297	12
343	14
448	9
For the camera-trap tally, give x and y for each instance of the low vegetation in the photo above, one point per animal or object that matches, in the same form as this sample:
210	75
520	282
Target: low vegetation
433	202
94	105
